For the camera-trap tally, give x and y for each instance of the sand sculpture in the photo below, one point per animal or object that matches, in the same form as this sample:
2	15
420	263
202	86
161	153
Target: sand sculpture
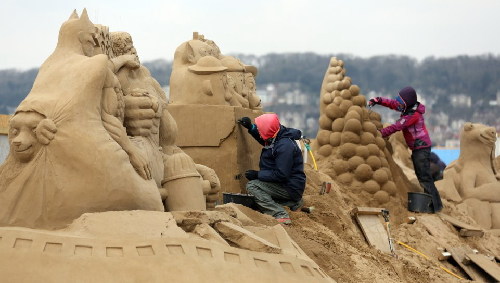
350	149
472	178
209	92
70	153
90	146
202	75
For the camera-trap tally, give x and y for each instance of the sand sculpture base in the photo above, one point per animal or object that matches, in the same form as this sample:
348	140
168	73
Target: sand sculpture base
89	251
211	136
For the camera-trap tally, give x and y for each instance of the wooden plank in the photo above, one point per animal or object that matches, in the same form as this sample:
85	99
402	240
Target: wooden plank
374	231
471	233
485	264
458	254
4	124
367	210
457	223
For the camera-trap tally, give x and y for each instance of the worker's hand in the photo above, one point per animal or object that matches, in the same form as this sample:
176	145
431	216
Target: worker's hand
375	100
251	175
245	122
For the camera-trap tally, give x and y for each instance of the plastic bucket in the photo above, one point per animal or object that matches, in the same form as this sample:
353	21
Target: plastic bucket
420	202
243	199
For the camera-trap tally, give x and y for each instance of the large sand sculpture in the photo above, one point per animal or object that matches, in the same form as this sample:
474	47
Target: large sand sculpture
70	153
350	149
207	86
93	152
472	178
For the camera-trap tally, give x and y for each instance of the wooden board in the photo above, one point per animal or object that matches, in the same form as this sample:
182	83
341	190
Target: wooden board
485	264
367	210
462	225
471	233
374	231
458	254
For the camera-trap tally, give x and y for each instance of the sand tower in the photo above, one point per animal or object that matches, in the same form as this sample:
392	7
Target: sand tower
349	146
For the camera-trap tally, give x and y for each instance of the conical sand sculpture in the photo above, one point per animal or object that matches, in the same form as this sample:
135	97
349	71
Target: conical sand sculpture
350	148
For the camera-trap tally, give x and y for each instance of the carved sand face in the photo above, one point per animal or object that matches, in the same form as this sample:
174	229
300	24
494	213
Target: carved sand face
123	45
486	135
23	141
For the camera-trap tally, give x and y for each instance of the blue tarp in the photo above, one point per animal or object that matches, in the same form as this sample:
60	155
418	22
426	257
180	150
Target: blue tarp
447	155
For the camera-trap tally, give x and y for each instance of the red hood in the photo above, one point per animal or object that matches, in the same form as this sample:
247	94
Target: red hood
267	125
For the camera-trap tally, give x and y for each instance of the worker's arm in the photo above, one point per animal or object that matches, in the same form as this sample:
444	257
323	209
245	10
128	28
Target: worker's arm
386	102
401	124
283	152
389	103
255	134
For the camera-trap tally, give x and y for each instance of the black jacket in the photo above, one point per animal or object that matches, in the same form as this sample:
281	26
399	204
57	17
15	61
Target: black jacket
281	161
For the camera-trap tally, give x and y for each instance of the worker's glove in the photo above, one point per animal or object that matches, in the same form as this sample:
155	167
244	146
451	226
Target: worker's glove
251	175
375	100
245	122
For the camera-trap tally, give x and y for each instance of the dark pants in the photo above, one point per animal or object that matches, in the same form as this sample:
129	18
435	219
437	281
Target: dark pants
271	197
421	163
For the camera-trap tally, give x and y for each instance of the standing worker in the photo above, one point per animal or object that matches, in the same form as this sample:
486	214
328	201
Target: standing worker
281	179
412	123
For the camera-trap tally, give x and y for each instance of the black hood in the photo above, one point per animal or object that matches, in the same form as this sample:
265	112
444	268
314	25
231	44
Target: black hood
290	133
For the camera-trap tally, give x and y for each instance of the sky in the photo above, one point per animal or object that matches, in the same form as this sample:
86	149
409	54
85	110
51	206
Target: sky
422	28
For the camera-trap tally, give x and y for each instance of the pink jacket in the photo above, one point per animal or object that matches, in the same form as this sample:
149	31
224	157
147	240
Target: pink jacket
411	122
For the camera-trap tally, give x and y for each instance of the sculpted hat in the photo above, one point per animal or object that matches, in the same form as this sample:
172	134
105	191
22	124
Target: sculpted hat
232	64
251	69
409	96
207	65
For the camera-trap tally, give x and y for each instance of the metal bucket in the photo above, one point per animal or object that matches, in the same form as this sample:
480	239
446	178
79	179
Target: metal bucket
420	202
243	199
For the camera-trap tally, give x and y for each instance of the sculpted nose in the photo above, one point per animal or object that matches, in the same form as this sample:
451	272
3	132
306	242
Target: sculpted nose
17	141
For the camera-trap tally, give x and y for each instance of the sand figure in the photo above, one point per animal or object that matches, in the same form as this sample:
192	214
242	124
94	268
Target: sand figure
188	54
28	132
153	130
82	169
349	148
253	99
472	179
202	75
237	93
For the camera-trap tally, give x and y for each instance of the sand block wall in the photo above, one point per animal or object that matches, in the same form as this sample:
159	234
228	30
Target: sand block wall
211	136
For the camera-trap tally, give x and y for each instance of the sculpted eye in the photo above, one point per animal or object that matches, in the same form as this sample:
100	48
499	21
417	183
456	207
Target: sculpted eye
14	131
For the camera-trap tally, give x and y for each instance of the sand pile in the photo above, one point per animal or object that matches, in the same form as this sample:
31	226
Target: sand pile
330	236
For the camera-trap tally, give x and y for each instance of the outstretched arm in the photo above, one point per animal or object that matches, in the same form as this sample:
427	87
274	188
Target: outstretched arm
386	102
401	124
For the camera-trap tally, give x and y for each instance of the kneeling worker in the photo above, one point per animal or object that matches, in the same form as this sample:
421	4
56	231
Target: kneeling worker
281	179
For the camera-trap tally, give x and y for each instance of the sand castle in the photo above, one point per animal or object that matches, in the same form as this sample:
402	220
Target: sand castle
350	149
472	178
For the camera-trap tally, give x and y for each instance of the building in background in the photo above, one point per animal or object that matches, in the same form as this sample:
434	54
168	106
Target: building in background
4	141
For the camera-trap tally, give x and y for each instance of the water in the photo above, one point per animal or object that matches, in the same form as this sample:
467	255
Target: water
447	155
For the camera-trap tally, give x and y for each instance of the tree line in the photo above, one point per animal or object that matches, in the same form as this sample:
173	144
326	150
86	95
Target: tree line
476	76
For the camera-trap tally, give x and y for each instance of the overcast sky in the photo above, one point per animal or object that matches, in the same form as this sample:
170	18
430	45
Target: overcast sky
418	28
